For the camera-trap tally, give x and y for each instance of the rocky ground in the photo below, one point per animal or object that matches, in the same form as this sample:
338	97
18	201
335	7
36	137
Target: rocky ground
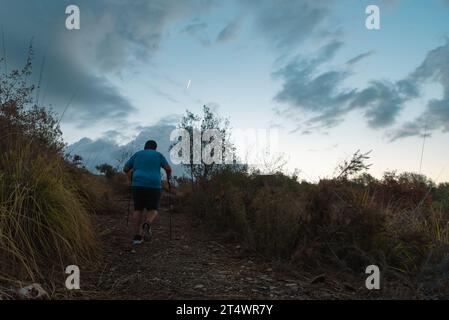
196	264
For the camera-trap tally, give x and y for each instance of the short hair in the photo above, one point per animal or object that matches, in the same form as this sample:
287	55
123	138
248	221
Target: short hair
151	144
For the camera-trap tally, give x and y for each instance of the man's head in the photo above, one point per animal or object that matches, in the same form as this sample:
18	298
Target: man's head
151	145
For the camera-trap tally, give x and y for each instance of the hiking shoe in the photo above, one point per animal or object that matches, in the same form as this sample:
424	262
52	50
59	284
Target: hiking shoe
147	234
137	240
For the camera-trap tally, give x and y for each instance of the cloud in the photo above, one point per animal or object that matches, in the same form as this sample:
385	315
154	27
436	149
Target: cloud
195	28
323	96
434	69
359	57
96	98
115	136
304	88
133	30
114	34
230	31
383	100
286	23
198	31
163	94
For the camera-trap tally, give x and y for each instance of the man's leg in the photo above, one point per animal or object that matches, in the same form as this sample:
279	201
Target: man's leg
153	200
151	216
137	222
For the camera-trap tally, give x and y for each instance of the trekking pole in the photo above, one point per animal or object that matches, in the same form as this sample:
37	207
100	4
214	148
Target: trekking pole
129	205
169	209
129	198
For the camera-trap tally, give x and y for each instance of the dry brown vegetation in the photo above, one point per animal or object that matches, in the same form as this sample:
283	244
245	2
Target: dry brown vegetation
399	222
45	201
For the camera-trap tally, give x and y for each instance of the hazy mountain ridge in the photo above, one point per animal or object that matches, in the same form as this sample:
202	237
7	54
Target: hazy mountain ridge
108	150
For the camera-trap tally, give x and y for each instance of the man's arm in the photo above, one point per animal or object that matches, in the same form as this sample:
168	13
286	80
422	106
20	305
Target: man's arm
166	166
129	173
129	168
168	170
126	169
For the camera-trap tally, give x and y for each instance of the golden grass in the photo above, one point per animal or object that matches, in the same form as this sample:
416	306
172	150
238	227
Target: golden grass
44	223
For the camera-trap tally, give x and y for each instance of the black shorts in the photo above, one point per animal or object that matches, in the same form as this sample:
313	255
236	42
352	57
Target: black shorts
146	198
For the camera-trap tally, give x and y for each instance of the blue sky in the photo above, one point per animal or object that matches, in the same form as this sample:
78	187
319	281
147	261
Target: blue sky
310	68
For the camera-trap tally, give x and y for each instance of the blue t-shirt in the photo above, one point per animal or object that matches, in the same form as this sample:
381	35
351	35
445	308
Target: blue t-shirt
146	165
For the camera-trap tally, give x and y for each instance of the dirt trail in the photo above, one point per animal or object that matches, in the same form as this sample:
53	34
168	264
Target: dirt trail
194	265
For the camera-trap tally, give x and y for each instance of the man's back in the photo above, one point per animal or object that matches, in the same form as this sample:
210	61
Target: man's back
146	166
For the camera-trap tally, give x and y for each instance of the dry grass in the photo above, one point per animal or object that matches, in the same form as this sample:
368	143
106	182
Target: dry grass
397	223
44	223
45	202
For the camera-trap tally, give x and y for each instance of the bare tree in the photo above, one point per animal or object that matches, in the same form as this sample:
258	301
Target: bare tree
355	165
196	126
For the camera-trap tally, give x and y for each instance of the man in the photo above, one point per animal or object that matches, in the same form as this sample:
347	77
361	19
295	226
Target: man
145	169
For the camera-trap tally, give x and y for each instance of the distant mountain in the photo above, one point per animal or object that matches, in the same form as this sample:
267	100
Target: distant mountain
107	150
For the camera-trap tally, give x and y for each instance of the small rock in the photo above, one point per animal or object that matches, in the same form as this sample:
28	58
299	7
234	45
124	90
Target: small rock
32	292
319	279
199	286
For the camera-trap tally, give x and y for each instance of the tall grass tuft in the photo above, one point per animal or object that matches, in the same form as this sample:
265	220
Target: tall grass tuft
43	221
44	205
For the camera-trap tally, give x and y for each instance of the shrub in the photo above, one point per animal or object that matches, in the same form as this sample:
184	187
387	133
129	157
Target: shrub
441	197
390	222
106	169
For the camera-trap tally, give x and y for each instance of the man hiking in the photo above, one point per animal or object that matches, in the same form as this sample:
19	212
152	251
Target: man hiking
145	168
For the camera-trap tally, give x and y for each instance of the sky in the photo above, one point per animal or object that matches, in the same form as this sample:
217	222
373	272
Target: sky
309	69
